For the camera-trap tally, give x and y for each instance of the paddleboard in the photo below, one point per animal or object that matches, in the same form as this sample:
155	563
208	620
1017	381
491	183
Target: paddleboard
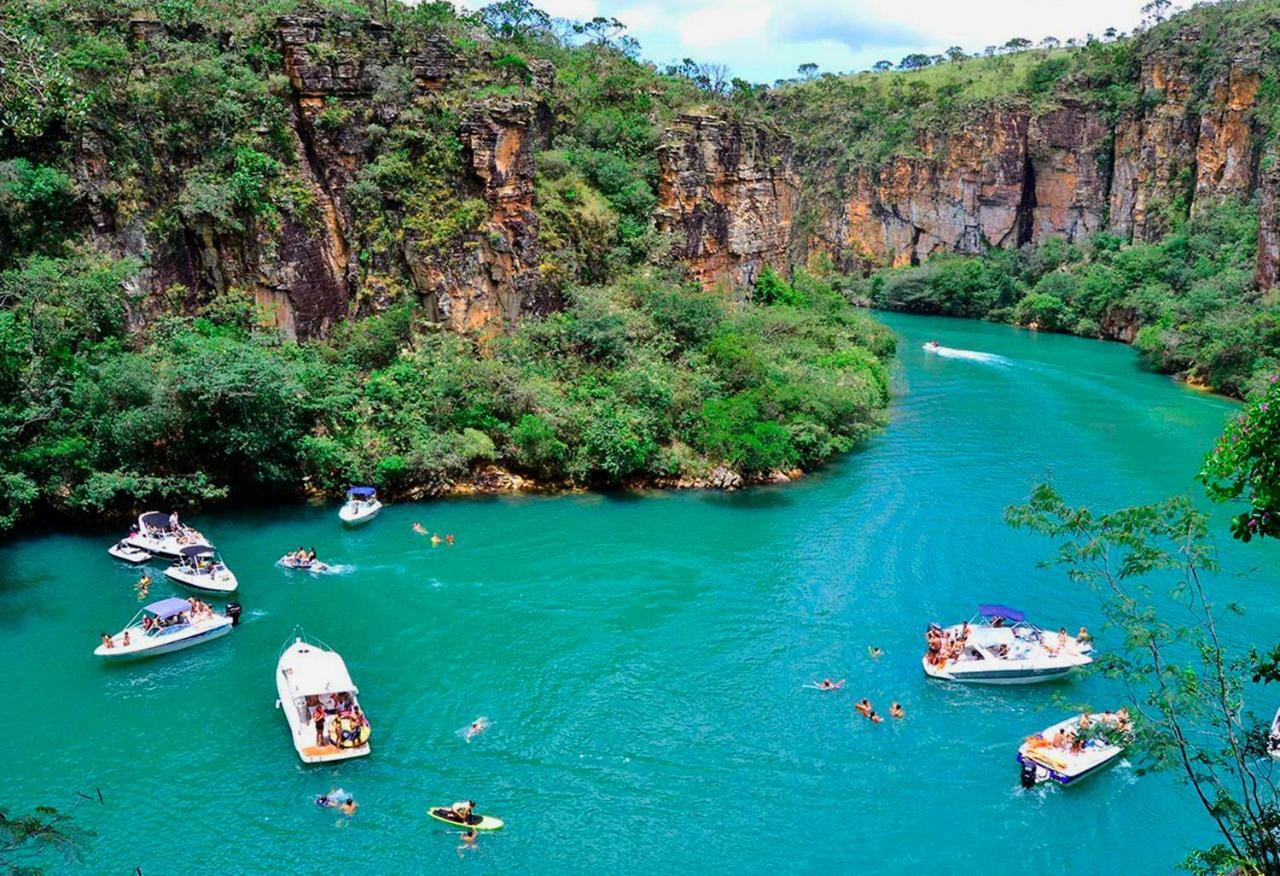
479	822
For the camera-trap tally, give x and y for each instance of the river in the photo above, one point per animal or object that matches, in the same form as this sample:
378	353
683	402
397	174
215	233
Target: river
642	659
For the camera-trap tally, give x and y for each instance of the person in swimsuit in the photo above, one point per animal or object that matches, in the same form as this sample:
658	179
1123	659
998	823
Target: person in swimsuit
349	806
896	711
461	811
318	717
419	528
874	653
106	640
864	708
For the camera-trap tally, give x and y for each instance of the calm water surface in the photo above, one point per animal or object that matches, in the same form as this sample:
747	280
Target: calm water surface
642	659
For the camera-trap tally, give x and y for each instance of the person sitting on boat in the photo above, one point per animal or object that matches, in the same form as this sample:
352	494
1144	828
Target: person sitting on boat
126	642
1123	721
1062	639
311	555
107	641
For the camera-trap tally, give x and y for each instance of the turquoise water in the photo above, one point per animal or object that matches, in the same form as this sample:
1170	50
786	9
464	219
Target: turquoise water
642	659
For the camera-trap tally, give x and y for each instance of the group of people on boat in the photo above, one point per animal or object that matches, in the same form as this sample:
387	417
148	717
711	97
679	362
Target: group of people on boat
109	642
1087	728
945	645
302	556
183	533
338	720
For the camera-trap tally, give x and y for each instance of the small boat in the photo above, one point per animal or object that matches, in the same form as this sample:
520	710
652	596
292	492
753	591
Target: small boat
122	550
310	677
1104	738
1273	738
290	561
168	625
362	506
1000	647
162	535
201	569
473	822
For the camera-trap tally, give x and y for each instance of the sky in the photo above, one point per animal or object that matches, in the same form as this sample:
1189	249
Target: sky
765	40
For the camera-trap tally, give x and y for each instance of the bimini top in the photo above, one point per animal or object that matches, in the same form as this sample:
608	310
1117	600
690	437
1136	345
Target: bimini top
196	550
319	672
363	492
169	607
155	518
1001	611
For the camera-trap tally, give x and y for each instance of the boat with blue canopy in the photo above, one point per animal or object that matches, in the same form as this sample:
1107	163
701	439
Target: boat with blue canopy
362	505
200	568
168	625
999	646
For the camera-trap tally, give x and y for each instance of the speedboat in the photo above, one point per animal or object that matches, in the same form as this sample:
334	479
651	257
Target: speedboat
291	561
1000	647
162	535
168	625
200	568
313	680
122	550
1074	749
362	506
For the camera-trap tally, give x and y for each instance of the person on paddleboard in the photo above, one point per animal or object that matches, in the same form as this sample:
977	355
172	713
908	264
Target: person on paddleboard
462	810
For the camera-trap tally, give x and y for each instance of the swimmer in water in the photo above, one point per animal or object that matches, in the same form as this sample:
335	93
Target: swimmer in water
874	718
828	684
864	707
896	711
418	528
468	838
478	726
349	806
449	538
874	652
436	539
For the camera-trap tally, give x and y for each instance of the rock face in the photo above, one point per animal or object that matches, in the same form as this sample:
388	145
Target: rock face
726	194
1009	175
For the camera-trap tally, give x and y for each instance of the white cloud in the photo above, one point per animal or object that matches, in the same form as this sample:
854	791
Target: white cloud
717	25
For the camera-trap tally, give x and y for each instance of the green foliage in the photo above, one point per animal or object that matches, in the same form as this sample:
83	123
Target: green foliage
25	838
1245	466
1184	683
1190	293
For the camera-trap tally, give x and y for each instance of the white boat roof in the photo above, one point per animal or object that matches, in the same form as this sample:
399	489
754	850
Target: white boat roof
314	671
990	637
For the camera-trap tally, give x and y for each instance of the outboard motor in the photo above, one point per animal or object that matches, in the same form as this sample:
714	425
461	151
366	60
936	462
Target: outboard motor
1029	771
233	612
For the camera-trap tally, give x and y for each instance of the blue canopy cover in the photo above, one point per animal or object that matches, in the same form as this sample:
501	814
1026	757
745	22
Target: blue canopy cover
169	607
363	492
1004	611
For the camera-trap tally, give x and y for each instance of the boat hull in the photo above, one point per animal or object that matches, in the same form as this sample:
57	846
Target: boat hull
129	554
1067	779
360	516
120	654
1004	676
212	585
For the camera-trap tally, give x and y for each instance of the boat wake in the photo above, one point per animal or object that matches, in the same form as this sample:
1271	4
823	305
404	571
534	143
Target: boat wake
971	355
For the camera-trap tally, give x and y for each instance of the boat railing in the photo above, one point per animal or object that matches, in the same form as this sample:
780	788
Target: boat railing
300	634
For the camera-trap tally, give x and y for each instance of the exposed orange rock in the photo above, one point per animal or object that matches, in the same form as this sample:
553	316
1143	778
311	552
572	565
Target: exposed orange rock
726	194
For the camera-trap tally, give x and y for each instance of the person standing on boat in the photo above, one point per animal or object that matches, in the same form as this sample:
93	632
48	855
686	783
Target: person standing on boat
318	715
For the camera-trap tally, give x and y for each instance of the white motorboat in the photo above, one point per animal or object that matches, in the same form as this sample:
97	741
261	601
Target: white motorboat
201	569
999	647
162	535
319	702
1273	738
1074	749
362	506
168	625
122	550
291	561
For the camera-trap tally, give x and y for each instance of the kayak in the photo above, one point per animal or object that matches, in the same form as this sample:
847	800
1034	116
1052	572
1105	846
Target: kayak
479	822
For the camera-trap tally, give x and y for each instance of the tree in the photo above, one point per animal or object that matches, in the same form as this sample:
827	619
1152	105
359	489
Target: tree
601	31
882	66
955	53
1245	465
1183	684
914	61
808	70
1155	12
23	837
1109	34
990	50
1050	42
514	19
1018	44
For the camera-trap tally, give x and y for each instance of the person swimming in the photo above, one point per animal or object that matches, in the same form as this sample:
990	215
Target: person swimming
874	652
475	728
335	799
896	711
864	707
828	684
419	528
436	539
